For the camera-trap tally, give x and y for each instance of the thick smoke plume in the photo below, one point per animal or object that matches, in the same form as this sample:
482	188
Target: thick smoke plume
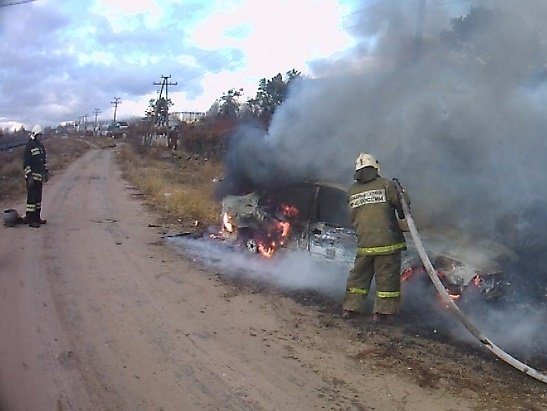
461	122
451	101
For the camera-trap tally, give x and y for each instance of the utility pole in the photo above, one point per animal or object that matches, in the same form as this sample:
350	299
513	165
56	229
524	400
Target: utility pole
162	118
117	100
96	112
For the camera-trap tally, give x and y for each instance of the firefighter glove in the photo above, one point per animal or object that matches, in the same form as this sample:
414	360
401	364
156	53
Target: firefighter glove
30	182
46	176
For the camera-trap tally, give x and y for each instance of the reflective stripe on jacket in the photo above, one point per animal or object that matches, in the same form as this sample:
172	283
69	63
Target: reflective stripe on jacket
381	250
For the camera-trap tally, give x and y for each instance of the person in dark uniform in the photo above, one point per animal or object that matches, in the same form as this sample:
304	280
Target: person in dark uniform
36	173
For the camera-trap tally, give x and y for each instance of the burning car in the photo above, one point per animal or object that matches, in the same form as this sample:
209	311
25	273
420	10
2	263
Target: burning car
462	261
314	216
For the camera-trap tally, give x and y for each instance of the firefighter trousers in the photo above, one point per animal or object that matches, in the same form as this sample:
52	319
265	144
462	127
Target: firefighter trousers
34	201
386	271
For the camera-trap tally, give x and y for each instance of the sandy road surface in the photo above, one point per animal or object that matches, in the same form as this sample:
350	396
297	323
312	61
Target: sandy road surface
97	314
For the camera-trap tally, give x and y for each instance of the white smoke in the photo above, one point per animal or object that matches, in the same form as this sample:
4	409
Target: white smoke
288	271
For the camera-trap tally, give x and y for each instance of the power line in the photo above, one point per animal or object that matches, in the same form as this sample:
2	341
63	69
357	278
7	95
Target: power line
15	2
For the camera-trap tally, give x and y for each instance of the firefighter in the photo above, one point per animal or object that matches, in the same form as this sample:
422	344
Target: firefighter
36	173
373	201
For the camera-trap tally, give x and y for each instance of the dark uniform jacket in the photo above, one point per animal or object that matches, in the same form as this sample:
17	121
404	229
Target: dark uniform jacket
373	204
34	160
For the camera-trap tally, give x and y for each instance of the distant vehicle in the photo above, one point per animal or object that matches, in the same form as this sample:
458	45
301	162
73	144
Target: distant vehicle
314	216
117	130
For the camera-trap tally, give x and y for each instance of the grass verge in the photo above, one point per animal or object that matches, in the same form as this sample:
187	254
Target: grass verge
178	186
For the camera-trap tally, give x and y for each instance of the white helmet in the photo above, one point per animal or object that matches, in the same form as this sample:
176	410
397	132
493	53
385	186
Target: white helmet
37	129
366	160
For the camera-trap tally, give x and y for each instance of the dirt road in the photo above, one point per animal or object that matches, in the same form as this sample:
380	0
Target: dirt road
96	313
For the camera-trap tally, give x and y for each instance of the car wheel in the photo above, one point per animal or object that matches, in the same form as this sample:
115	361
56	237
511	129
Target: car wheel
251	245
246	238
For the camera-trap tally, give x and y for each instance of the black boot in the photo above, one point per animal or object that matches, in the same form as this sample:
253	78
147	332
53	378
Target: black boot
39	219
32	219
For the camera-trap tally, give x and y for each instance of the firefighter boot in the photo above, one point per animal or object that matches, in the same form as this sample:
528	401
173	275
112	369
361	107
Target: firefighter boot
32	219
38	218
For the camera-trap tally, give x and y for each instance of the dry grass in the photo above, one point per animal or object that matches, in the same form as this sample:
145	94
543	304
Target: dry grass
180	187
60	153
11	175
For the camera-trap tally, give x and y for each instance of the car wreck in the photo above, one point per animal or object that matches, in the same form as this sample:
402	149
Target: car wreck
314	216
309	216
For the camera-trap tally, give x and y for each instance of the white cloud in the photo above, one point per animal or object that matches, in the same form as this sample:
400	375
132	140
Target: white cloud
123	14
276	36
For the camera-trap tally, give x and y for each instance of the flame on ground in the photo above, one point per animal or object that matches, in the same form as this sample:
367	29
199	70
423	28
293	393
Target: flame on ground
452	293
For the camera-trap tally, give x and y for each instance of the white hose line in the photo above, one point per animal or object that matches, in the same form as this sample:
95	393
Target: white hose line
454	308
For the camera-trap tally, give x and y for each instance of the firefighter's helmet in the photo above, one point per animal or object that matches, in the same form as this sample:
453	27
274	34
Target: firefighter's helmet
10	217
366	160
36	130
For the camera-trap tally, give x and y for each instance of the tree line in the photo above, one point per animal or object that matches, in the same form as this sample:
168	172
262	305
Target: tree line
208	136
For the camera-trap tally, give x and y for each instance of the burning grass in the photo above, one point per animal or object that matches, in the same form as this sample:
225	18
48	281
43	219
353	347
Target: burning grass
177	185
60	153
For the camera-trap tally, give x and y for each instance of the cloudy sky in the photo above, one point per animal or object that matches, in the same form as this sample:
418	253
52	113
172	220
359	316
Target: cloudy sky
62	59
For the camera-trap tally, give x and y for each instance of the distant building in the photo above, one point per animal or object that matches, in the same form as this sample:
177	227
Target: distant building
187	116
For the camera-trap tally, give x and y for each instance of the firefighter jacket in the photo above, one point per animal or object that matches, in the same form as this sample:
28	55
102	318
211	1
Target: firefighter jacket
34	160
373	204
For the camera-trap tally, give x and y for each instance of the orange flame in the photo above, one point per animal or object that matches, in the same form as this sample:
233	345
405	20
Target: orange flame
454	297
407	273
276	235
228	226
411	271
289	210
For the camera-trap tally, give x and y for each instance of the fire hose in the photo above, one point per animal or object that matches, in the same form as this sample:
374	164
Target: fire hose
452	305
